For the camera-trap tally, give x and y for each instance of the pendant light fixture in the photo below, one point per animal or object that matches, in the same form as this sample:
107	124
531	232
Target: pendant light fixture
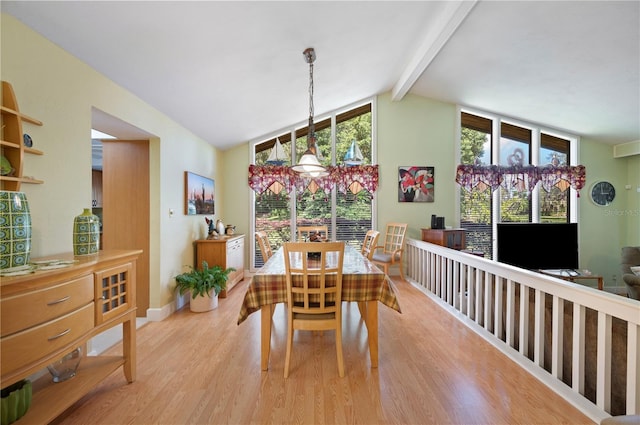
309	165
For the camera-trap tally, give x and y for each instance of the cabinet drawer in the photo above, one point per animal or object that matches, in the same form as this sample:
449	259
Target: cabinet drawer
235	244
29	346
27	310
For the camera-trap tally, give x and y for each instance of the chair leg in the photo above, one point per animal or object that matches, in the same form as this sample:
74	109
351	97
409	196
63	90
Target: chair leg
287	358
339	351
400	267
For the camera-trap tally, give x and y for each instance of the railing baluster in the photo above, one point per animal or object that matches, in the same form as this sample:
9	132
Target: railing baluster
633	368
577	359
603	386
557	326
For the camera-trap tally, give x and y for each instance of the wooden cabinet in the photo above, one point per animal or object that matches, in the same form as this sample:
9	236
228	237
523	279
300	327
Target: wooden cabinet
451	238
47	314
96	188
12	142
225	252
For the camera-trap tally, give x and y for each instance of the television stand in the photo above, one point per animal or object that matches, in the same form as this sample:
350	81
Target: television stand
572	275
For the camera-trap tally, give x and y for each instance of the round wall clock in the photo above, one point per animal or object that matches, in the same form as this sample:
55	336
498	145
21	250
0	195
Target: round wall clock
602	193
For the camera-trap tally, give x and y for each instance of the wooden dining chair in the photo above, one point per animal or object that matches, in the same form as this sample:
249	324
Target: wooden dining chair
369	243
390	252
265	245
314	292
306	232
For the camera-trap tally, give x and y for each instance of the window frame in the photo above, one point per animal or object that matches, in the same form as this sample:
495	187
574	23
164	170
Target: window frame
300	129
537	132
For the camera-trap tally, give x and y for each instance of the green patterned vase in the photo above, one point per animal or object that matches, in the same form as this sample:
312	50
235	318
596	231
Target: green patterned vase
15	229
86	233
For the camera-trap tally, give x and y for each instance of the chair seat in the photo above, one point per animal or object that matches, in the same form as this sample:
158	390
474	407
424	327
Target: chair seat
382	257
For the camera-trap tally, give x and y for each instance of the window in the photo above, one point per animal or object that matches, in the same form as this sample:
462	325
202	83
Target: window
349	216
492	140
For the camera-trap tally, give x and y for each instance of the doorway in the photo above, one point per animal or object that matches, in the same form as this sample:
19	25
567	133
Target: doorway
124	170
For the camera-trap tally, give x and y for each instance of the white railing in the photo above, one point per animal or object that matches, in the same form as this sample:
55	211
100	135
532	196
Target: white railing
527	316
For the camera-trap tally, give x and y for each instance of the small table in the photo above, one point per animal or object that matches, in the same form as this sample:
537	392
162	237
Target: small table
362	282
573	275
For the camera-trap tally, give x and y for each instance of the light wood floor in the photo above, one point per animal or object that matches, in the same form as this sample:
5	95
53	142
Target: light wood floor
202	368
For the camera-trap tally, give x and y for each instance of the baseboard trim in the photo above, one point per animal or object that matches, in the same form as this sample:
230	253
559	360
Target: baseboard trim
159	314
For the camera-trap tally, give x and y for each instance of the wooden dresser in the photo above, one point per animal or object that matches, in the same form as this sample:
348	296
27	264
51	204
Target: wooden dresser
451	238
47	314
227	251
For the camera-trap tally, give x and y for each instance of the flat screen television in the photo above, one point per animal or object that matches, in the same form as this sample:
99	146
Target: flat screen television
536	246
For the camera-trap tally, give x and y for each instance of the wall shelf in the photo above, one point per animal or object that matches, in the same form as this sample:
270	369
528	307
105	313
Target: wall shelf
11	140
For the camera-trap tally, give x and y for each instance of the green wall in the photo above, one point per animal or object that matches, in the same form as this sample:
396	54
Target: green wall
415	131
605	230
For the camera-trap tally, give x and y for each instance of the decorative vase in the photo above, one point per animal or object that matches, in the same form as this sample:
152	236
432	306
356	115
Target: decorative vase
66	367
15	229
86	233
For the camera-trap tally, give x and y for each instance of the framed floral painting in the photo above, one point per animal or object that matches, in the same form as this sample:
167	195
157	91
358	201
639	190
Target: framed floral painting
416	184
199	194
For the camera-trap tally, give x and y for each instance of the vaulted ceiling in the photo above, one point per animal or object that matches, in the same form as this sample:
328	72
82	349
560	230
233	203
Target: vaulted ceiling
234	71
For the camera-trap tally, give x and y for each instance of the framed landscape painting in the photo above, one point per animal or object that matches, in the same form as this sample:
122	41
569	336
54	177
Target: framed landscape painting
199	194
416	184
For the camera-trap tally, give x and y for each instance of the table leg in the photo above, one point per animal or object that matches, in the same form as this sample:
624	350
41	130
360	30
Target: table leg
372	329
129	347
362	306
265	335
600	283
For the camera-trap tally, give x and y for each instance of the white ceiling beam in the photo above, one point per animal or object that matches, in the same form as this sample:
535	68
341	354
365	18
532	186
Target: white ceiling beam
455	12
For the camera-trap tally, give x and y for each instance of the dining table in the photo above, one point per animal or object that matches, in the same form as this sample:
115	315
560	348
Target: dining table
362	282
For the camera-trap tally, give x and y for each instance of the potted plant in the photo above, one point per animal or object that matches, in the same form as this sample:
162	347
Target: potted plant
204	285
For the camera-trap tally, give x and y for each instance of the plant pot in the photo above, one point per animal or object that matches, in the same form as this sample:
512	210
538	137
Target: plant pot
16	400
202	304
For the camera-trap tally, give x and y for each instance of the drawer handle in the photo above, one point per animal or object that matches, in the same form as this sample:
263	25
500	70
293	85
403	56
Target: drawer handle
61	300
63	333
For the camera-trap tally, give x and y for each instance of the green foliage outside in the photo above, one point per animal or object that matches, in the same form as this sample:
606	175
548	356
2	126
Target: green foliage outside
273	212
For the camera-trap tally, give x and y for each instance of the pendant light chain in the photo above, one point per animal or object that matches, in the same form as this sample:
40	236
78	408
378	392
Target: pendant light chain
309	165
311	110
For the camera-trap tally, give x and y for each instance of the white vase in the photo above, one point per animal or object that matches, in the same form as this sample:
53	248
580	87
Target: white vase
202	304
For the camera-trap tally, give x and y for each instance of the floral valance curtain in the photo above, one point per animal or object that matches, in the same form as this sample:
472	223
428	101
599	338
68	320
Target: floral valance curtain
277	178
524	178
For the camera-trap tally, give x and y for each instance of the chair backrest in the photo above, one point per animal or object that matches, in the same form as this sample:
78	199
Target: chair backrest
369	243
306	233
314	277
394	237
265	245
